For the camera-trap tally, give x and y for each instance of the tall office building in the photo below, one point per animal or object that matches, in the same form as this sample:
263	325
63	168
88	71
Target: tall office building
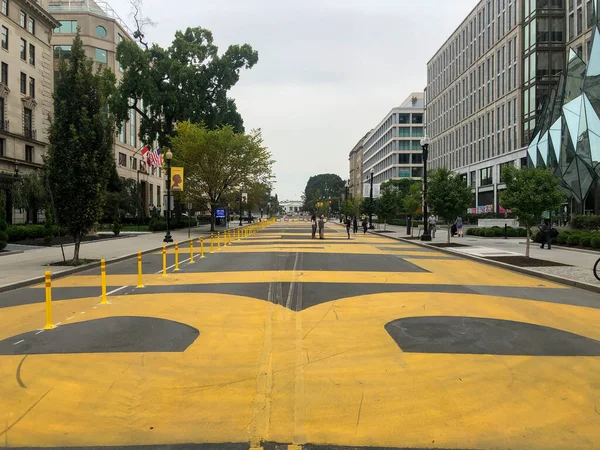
25	93
355	180
392	149
101	30
486	87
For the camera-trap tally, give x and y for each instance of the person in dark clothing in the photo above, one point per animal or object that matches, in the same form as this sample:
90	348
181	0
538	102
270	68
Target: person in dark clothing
546	235
321	228
348	224
365	225
355	225
313	222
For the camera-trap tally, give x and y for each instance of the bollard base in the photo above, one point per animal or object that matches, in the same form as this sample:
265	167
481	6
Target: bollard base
49	327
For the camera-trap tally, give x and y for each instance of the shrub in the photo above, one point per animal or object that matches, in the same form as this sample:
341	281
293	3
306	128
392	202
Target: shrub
3	226
116	227
573	239
471	231
595	241
499	232
48	227
512	232
586	222
161	225
562	238
489	232
22	232
585	240
522	232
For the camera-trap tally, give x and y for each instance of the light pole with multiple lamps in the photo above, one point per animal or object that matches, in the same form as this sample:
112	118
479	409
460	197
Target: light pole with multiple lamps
168	158
371	227
426	236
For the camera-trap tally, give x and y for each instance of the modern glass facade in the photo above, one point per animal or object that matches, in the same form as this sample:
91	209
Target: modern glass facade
567	140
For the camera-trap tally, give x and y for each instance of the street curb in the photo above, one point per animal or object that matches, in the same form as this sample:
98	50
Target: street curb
71	271
521	270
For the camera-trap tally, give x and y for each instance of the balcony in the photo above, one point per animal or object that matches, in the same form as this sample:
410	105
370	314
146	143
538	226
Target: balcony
30	133
4	125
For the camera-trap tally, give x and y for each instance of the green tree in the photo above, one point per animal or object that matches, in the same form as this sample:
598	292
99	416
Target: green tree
322	188
30	194
124	194
3	225
448	195
529	193
413	200
80	159
187	81
388	205
218	162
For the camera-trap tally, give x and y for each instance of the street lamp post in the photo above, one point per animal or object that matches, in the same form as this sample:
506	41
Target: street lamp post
168	157
371	227
241	198
426	236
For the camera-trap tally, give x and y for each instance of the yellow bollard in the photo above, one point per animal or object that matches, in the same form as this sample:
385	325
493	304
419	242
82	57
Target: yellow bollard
164	254
140	283
212	237
191	251
48	325
201	247
219	240
176	257
237	233
103	281
230	233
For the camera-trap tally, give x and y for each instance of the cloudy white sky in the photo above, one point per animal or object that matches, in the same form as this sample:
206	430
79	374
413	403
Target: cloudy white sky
328	70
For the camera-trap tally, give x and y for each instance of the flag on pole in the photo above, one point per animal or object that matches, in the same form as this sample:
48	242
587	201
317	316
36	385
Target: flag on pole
145	151
157	158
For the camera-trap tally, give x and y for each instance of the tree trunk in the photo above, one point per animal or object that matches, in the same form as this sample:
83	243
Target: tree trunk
528	228
212	217
76	249
384	225
449	230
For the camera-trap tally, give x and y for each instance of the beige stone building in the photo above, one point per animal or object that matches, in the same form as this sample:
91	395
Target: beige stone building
25	92
355	158
101	31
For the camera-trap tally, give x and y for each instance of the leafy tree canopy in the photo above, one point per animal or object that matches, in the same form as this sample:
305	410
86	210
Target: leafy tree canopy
220	162
529	193
448	195
80	158
322	188
187	81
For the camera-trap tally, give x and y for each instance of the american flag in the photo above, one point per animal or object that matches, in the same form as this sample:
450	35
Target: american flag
156	158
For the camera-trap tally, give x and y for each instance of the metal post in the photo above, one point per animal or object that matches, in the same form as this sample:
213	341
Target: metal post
191	251
140	283
164	260
426	236
168	237
48	280
371	204
103	281
176	257
219	240
212	237
201	247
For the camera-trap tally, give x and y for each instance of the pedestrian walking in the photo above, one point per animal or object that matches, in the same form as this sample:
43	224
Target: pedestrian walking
321	228
459	226
348	224
365	225
355	225
546	234
432	221
313	222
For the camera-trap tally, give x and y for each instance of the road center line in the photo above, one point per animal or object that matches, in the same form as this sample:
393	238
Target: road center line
288	303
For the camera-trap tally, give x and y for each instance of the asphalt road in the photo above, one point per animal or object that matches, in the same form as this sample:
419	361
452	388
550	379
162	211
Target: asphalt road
281	341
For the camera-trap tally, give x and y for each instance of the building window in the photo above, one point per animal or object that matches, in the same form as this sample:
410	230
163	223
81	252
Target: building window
122	159
417	132
67	26
32	54
4	7
23	83
579	21
473	178
23	49
416	145
2	146
31	87
4	38
417	158
101	56
158	196
62	51
404	132
119	38
101	31
23	19
28	123
123	133
132	133
485	176
2	124
571	25
31	25
417	172
404	158
417	118
403	118
404	172
4	76
503	168
29	153
132	163
151	189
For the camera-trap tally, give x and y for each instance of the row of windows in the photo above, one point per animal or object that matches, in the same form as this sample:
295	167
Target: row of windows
27	23
28	130
576	18
29	151
133	164
398	172
470	43
22	81
393	119
23	51
70	27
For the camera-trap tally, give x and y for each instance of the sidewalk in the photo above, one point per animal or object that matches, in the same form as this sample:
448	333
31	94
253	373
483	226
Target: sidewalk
579	263
33	262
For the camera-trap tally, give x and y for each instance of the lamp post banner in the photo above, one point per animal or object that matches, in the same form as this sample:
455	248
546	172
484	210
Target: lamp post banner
177	179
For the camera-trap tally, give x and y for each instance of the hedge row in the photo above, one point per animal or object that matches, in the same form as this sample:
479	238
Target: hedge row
576	237
497	232
588	222
23	232
161	225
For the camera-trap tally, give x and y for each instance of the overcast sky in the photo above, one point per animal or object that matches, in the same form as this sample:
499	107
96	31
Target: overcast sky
328	70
